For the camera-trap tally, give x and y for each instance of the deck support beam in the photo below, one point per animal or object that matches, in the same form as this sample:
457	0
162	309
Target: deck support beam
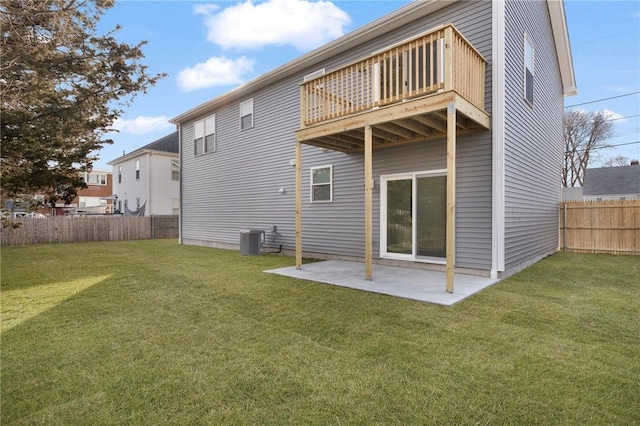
451	195
298	206
368	202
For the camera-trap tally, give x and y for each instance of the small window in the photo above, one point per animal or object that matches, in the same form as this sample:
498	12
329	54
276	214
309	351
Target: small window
119	174
246	114
137	169
205	135
322	184
314	75
528	69
175	170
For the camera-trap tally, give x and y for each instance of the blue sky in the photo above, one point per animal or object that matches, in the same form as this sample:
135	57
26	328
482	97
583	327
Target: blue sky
210	47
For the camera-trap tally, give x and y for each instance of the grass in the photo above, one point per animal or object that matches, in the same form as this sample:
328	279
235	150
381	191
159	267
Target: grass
150	332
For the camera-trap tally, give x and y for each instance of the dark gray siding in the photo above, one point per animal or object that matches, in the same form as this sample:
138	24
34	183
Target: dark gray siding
237	187
533	138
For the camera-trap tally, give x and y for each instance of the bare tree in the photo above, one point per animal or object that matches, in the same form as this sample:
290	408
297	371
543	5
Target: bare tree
617	161
584	133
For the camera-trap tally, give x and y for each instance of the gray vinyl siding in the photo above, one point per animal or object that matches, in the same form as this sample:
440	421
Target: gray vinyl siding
533	138
237	187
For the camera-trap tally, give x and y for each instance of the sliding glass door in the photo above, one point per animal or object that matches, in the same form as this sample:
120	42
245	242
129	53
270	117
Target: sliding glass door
413	216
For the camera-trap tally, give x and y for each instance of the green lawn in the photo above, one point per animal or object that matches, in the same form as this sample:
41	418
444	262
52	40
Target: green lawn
156	333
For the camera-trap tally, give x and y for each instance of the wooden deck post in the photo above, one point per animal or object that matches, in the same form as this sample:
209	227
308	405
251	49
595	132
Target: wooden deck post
298	207
368	197
451	194
448	59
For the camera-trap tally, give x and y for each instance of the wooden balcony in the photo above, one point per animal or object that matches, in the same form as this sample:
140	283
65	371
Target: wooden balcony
403	92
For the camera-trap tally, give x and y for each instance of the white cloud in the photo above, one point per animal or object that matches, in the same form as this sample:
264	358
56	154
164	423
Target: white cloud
299	23
142	124
611	115
216	71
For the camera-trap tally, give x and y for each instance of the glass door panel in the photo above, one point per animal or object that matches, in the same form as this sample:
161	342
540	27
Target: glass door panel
431	212
399	216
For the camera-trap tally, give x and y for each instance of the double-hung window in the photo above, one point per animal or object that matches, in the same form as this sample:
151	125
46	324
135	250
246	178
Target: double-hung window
205	135
528	69
119	174
321	184
137	169
246	114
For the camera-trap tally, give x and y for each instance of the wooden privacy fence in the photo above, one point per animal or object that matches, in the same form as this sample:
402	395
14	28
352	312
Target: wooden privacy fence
67	229
609	226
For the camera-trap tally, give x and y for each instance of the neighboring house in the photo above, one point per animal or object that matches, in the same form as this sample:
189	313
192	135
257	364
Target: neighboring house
147	180
612	183
432	135
94	199
572	193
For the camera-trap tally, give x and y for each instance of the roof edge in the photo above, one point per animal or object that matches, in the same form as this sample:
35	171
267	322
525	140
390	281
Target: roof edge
563	46
139	152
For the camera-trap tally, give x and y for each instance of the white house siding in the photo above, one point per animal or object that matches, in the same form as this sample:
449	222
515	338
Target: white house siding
162	188
533	138
154	187
237	187
131	188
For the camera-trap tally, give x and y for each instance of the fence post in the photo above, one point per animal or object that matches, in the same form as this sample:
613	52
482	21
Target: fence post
565	228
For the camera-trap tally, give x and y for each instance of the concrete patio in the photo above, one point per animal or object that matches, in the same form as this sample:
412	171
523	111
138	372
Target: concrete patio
408	283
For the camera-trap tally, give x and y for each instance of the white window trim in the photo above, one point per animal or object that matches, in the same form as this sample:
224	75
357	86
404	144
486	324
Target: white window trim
175	163
311	184
207	122
314	75
137	169
248	102
529	42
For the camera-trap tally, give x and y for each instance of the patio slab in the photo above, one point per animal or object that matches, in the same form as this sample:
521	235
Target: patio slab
408	283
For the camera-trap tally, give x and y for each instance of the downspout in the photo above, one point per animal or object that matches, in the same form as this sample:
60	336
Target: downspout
149	182
498	138
179	183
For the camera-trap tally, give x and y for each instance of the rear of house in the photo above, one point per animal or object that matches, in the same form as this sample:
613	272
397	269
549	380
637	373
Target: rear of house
238	151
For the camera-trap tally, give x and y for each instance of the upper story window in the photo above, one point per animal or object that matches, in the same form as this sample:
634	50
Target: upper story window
246	114
314	74
528	69
204	135
137	169
119	174
321	184
95	178
175	170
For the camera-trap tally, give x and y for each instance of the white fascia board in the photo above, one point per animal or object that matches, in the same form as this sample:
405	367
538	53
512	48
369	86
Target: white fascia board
563	46
139	153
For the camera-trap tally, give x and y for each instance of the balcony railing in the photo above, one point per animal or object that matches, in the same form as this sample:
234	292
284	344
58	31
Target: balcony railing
440	60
